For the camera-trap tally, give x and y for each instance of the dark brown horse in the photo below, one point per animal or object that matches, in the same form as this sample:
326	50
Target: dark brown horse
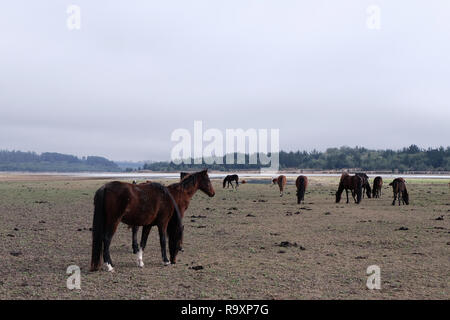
301	184
182	192
352	183
366	185
183	175
146	204
229	180
377	184
281	180
399	189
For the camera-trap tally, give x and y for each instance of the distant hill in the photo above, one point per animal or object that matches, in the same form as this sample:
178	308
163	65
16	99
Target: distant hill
53	162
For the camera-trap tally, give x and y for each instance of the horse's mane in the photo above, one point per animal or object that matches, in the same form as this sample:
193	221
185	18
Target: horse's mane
188	181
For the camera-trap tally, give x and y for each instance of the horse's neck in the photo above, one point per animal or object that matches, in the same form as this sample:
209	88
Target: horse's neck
183	195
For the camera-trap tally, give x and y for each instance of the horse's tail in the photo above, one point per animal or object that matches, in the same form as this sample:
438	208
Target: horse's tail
224	181
175	229
176	218
98	226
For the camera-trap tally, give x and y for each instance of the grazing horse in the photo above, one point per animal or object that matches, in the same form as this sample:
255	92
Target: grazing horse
183	175
377	184
281	180
301	184
146	205
353	183
182	192
274	181
399	188
229	179
366	184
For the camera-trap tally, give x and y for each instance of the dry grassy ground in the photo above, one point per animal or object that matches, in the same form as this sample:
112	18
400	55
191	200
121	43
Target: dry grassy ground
45	228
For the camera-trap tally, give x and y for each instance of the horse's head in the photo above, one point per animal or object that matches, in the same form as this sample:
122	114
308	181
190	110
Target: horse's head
405	196
338	196
205	184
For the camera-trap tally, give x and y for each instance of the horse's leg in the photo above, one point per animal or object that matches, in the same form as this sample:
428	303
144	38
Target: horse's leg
395	198
136	250
145	232
162	242
353	195
106	243
346	192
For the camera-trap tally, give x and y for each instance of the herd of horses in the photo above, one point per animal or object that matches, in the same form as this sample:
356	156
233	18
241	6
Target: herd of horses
151	204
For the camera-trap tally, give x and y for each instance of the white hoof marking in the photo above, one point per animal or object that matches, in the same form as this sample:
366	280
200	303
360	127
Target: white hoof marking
109	267
139	260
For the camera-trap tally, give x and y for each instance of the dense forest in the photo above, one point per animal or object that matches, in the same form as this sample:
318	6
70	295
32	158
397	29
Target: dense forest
53	162
411	158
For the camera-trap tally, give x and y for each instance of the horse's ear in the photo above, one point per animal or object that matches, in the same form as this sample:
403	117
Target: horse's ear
205	171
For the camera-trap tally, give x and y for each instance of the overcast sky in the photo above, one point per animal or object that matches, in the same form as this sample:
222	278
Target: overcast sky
137	70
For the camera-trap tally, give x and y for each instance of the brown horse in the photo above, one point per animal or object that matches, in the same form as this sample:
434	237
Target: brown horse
281	180
146	205
353	183
399	189
301	184
366	185
183	175
274	181
377	184
229	179
182	192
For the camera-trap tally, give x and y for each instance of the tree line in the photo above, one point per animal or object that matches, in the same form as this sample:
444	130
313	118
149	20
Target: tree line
53	162
410	158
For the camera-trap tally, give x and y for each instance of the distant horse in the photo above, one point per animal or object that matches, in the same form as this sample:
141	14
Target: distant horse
281	180
274	181
352	183
182	192
146	205
243	181
183	175
377	184
301	184
229	179
399	189
366	184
